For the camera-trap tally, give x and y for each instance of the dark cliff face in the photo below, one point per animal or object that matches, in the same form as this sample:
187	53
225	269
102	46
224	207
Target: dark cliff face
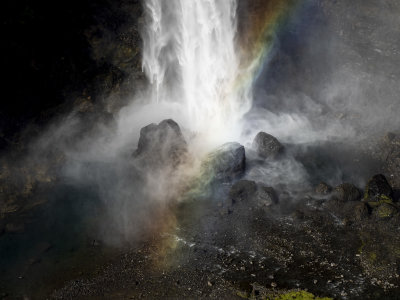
52	53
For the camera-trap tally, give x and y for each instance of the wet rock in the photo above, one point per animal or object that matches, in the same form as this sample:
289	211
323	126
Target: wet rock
250	192
378	191
225	163
385	211
267	146
346	192
323	189
161	145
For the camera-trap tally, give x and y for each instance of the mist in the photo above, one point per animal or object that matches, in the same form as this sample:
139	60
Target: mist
322	81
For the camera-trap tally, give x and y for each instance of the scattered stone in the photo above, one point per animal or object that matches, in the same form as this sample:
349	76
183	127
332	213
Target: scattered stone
378	191
161	145
267	146
225	163
323	189
347	192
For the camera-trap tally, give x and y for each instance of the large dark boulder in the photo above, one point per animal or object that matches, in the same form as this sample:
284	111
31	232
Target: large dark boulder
225	163
346	192
267	146
251	194
161	145
378	191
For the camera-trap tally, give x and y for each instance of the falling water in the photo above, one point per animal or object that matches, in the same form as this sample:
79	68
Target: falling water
191	62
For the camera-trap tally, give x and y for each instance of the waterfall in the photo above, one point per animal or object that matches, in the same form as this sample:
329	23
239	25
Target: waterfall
191	62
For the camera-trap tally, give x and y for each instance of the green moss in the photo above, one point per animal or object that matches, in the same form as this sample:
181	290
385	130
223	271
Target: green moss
242	294
382	199
386	210
372	256
299	295
366	196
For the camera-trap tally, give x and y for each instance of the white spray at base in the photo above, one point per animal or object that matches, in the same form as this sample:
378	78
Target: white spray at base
190	60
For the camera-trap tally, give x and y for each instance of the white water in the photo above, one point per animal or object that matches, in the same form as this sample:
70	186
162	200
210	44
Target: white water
190	59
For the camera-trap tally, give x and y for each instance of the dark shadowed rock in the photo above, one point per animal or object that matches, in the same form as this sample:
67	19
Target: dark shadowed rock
323	189
226	163
347	192
252	193
267	146
378	191
161	145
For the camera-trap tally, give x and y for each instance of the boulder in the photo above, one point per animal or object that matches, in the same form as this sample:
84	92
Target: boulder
161	145
347	192
378	191
252	193
323	189
267	146
226	163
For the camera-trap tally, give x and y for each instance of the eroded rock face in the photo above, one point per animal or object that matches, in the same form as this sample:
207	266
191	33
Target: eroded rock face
161	145
226	163
267	146
347	192
378	190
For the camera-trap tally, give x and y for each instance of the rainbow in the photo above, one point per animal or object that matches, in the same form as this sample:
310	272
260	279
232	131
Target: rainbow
259	24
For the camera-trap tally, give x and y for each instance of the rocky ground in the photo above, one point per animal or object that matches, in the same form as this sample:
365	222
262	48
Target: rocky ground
333	232
246	239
